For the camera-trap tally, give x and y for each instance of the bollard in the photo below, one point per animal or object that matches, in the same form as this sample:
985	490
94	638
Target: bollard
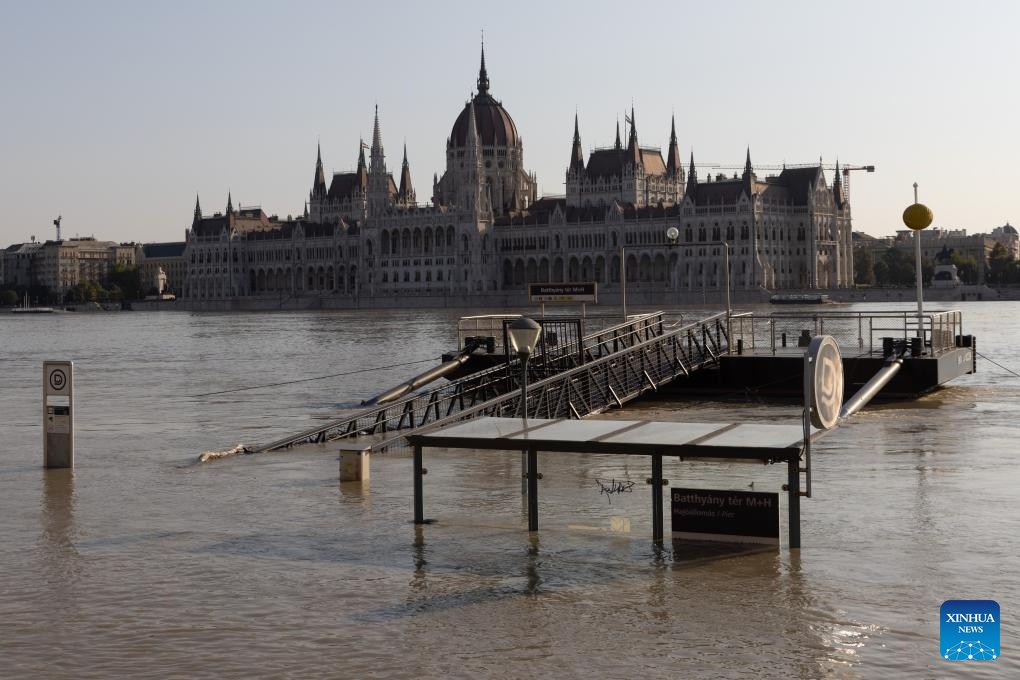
354	463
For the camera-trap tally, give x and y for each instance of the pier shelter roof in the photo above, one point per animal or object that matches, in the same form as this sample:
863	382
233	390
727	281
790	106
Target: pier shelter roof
764	442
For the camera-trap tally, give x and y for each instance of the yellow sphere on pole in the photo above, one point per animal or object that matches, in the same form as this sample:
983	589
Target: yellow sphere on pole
917	216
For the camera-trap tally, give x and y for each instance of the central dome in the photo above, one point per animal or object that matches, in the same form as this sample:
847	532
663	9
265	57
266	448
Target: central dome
494	124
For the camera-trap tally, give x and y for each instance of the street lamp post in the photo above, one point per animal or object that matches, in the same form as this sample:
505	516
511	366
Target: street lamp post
917	217
623	280
524	334
673	236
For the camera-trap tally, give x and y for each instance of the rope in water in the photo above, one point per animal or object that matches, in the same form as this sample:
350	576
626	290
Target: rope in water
301	380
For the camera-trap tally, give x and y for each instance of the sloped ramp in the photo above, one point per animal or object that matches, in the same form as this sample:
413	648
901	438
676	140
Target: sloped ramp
622	363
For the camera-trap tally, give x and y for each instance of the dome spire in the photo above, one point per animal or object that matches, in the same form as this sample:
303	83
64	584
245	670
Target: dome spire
483	76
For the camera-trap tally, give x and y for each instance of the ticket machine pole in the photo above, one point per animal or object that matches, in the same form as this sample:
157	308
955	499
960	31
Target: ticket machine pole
58	414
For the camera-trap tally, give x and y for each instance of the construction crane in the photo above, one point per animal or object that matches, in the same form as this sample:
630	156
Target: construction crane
845	170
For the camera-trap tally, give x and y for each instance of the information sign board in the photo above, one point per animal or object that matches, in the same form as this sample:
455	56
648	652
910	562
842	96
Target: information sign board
721	515
562	292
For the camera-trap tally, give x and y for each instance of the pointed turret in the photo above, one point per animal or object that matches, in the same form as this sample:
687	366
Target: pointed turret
674	165
748	169
230	203
198	211
472	132
576	153
406	193
618	144
483	76
362	168
692	178
837	189
319	183
378	157
633	151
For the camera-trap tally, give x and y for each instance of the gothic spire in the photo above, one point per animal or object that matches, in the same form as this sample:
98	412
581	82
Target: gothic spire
362	169
748	169
692	178
633	151
472	132
576	153
483	76
319	183
376	135
618	145
198	209
406	192
837	188
673	163
230	203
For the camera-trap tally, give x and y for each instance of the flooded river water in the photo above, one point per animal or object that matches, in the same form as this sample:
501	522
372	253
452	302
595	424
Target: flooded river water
140	563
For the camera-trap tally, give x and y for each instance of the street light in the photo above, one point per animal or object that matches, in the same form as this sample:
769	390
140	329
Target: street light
524	333
673	236
918	216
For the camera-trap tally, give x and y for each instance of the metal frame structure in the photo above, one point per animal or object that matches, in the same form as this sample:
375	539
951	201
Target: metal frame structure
758	443
620	363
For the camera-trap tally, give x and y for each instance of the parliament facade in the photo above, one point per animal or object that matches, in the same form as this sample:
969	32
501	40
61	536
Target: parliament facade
365	240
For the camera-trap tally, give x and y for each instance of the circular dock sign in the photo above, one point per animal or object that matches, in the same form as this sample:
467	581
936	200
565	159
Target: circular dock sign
824	378
57	378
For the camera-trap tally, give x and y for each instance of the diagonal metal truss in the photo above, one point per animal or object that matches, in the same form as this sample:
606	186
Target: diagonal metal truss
621	363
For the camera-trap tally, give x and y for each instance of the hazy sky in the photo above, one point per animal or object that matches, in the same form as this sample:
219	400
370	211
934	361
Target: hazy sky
115	114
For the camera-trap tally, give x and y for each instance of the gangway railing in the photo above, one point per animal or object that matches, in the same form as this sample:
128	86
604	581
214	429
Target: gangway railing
621	363
860	332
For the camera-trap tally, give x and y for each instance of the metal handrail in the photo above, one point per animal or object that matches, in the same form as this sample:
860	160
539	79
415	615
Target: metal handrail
611	381
858	331
477	388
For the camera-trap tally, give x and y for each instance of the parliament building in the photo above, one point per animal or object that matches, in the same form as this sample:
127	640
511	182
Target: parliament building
365	240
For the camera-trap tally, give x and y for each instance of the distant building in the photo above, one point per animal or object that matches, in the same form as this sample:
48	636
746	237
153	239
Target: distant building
486	232
17	268
60	265
151	257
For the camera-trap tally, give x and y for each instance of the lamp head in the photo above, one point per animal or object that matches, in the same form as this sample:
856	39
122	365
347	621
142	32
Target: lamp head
672	235
524	333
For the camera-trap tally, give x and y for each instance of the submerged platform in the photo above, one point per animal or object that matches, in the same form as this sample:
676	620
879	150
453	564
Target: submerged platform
766	353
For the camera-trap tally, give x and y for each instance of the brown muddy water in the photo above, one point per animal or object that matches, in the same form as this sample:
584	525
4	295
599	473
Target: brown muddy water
139	563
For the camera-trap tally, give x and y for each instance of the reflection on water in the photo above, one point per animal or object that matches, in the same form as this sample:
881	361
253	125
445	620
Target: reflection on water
140	564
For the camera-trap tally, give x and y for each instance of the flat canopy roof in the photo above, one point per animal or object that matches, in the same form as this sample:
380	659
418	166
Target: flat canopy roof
733	441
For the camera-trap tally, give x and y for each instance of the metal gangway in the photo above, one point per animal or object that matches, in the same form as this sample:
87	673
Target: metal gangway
614	366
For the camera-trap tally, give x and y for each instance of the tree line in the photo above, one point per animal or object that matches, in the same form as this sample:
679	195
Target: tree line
123	282
896	267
